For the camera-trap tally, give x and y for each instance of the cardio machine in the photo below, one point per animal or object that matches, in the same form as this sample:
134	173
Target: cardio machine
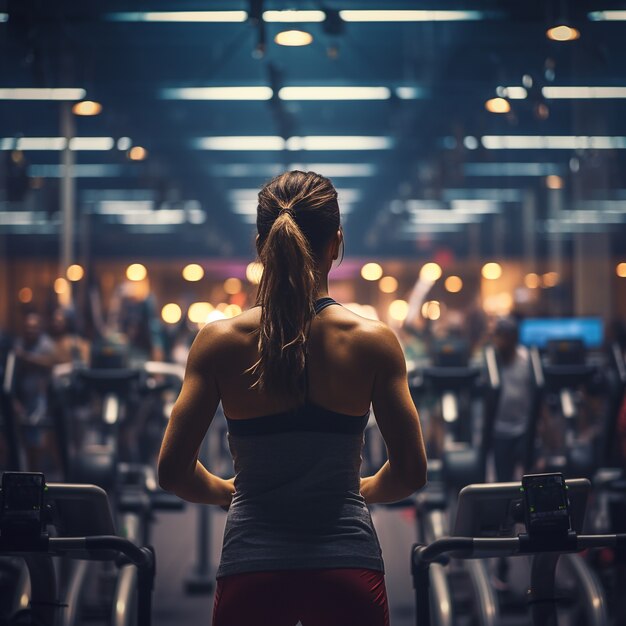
39	522
541	517
462	587
565	371
92	453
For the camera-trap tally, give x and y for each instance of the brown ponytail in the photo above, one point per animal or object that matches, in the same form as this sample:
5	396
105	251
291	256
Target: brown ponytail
297	216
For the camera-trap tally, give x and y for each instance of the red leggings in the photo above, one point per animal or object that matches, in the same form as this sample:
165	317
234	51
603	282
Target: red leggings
318	597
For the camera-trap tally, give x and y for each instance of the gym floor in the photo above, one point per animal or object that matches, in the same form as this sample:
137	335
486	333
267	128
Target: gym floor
174	538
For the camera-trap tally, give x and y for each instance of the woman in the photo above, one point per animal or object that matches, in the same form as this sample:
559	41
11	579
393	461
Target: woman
296	376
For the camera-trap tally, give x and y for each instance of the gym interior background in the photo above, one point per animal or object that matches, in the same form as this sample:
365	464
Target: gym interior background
479	152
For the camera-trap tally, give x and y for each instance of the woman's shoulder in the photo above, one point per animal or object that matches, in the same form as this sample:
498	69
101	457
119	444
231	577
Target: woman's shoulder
225	334
372	335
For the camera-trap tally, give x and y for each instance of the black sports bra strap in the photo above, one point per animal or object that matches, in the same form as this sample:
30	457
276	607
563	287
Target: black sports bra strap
319	305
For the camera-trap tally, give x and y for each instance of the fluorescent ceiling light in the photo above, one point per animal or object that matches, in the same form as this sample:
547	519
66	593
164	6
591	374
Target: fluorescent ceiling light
56	143
161	217
338	170
254	142
409	16
22	218
218	93
512	93
4	17
498	195
179	16
294	16
247	170
273	142
19	93
583	92
92	143
122	207
475	206
408	230
409	93
337	142
33	143
262	170
607	16
444	216
80	170
334	93
512	169
551	142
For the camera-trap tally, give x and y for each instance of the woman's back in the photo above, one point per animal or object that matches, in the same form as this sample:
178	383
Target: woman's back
297	503
340	364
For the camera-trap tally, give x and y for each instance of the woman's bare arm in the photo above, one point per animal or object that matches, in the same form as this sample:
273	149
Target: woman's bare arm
179	469
397	418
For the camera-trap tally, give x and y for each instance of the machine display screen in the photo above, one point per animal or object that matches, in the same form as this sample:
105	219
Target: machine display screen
538	331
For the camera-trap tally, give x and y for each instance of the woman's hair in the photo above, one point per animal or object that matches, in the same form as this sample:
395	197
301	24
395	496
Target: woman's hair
297	216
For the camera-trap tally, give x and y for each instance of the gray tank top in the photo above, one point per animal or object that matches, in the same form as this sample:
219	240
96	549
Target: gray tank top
297	503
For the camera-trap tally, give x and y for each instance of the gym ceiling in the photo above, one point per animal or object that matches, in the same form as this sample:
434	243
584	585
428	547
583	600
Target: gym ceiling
171	164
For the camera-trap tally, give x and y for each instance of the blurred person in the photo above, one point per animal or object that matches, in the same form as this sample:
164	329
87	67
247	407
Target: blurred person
35	356
516	399
133	313
69	346
296	375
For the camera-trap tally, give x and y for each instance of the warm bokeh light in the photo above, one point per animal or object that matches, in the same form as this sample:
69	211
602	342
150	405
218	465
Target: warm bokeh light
550	279
562	33
532	280
431	310
213	316
231	310
87	107
199	312
293	38
371	271
430	272
137	153
25	295
554	182
75	272
491	271
193	272
254	272
136	271
398	310
453	284
620	270
497	105
60	285
388	284
171	313
498	304
232	286
364	310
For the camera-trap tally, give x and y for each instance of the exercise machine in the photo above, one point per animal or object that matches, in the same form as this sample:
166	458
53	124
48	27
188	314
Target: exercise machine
541	517
40	521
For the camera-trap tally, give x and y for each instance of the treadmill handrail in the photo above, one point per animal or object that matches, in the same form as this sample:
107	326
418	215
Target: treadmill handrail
141	557
9	372
620	362
493	372
481	547
537	367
